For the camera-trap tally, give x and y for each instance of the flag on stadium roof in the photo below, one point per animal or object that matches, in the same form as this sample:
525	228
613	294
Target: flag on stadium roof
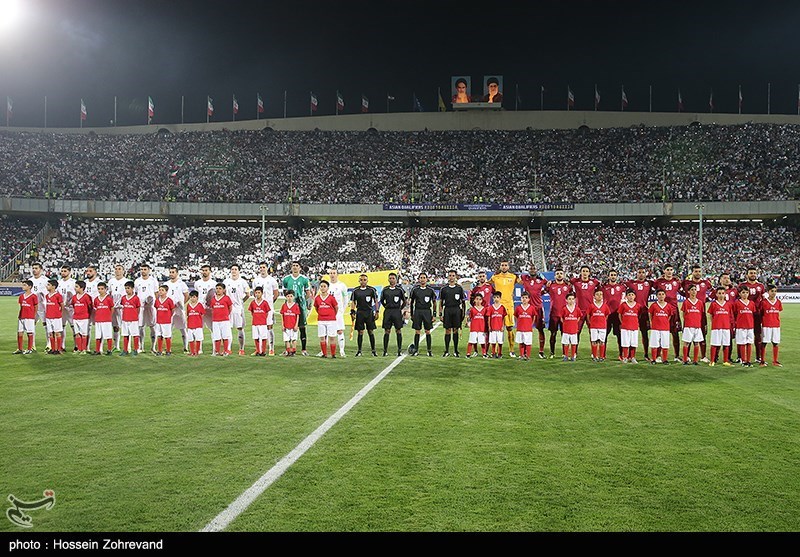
313	102
417	104
364	104
570	98
680	101
9	109
596	97
259	104
740	99
151	109
389	98
711	101
83	110
235	106
624	99
442	107
210	107
339	102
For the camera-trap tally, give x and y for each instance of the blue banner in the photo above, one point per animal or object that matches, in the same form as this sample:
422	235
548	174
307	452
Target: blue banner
479	206
10	290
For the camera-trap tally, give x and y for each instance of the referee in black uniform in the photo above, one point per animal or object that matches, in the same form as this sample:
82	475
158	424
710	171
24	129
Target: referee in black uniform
451	309
423	298
393	300
364	309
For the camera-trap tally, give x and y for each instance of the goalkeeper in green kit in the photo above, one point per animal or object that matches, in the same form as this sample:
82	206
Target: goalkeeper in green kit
298	284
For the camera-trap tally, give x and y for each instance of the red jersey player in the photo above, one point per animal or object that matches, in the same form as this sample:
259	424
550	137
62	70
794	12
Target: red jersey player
642	288
497	319
693	311
131	306
584	286
81	304
290	315
195	314
485	289
744	311
54	308
28	304
704	290
670	284
629	326
326	306
757	291
525	315
536	286
599	314
477	326
102	307
613	294
661	318
571	323
771	308
558	290
259	308
731	295
221	305
164	306
721	312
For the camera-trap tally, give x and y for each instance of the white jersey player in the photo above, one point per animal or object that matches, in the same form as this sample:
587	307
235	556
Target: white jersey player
205	291
238	291
146	287
39	281
66	287
178	292
116	288
269	285
92	280
340	293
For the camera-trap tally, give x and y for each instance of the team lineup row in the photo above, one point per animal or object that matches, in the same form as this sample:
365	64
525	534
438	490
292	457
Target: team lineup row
121	310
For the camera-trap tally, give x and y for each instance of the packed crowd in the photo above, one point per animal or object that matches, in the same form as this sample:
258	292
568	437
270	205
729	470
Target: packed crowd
15	234
725	163
774	251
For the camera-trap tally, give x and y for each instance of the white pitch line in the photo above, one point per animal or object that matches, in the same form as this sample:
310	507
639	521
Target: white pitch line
223	519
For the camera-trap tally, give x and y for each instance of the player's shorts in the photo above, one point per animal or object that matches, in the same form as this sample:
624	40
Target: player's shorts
629	338
237	317
66	315
129	329
692	334
524	337
393	319
326	329
613	324
744	336
302	321
597	335
365	319
509	315
82	327
554	325
195	335
53	325
289	335
178	318
659	339
422	319
477	338
569	338
720	337
103	330
221	330
147	316
771	334
496	337
452	318
26	325
116	318
260	332
163	330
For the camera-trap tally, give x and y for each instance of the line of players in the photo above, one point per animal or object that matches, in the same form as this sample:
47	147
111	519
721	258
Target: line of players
604	307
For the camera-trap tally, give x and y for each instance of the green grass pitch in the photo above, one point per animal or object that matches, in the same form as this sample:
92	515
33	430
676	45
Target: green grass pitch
158	444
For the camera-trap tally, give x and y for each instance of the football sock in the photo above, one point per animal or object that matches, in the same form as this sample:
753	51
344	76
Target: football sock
226	345
726	354
333	347
428	341
217	344
541	341
714	351
241	339
697	352
385	342
573	350
632	351
510	341
19	341
665	354
360	342
160	344
399	341
324	348
774	352
552	343
455	341
372	341
31	343
184	339
748	350
109	344
447	342
341	343
303	338
594	350
125	343
703	349
416	340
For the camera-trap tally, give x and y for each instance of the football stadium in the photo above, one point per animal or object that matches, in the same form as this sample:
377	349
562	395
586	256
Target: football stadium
490	316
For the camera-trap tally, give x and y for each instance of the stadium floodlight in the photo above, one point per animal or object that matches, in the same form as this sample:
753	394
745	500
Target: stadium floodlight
10	14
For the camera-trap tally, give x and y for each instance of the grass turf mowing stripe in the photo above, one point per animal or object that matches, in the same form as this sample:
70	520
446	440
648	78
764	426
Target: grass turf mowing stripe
223	519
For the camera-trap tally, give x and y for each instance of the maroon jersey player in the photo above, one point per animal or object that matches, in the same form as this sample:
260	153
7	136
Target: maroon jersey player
558	290
535	285
613	294
704	289
757	291
584	285
670	284
642	287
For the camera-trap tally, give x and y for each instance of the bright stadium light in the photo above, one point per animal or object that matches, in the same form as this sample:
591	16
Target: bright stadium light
10	14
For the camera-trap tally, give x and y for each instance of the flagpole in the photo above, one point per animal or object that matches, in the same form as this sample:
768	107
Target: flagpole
769	96
798	99
257	107
621	98
651	98
7	115
387	103
115	111
284	103
567	98
81	114
337	103
516	97
595	97
207	114
740	99
233	110
45	111
181	109
541	99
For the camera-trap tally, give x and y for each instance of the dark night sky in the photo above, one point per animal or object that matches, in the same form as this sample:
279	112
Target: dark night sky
95	49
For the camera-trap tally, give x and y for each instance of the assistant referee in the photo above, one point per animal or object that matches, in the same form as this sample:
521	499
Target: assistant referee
452	306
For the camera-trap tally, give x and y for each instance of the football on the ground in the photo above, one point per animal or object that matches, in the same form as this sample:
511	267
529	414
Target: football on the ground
412	349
